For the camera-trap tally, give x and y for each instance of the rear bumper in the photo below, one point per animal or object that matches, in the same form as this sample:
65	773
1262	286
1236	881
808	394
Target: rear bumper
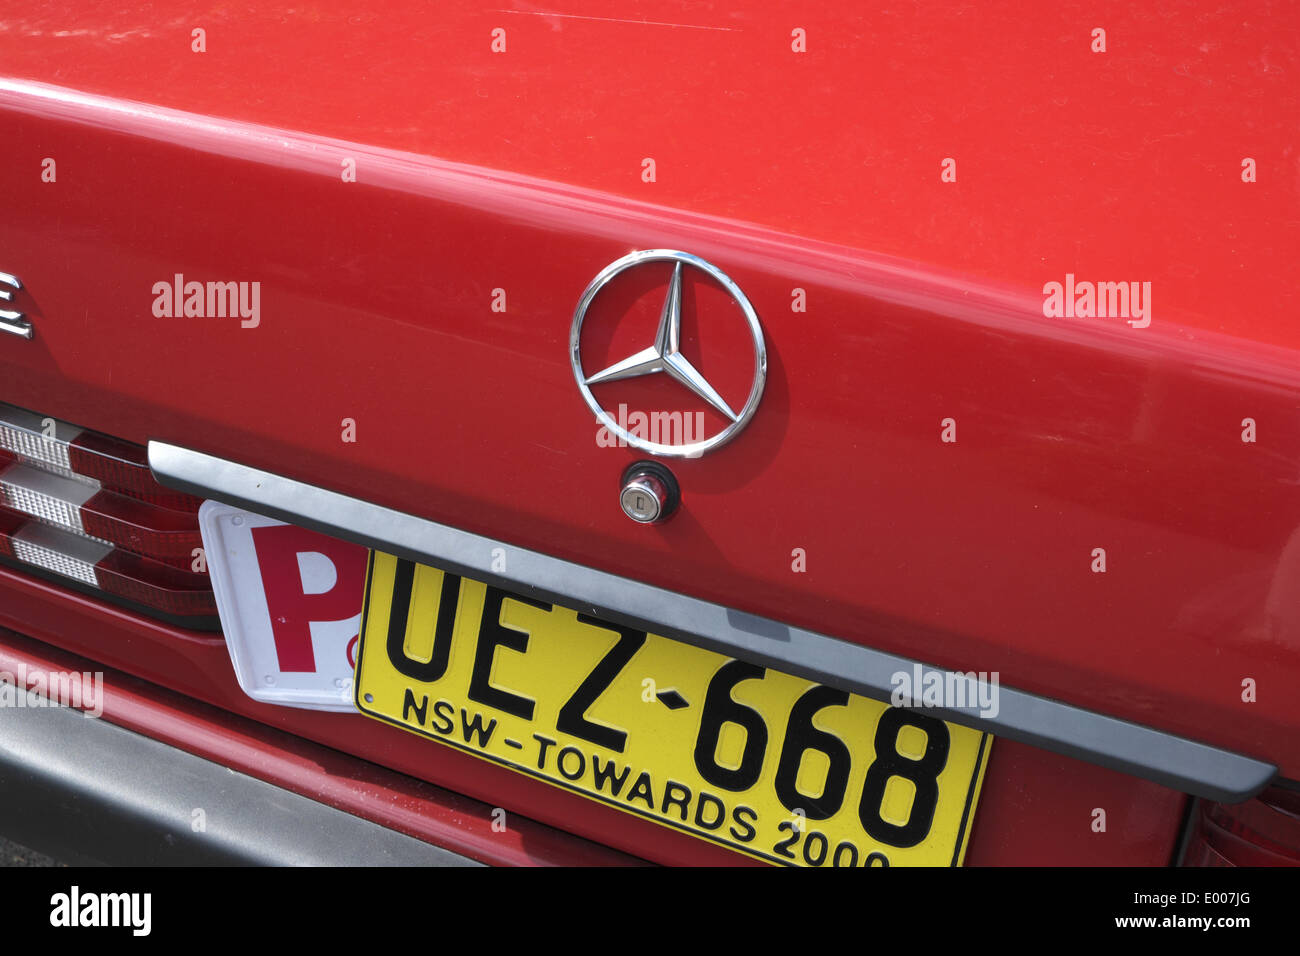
88	791
159	780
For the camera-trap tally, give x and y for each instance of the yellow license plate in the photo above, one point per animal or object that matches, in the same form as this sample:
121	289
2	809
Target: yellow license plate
775	766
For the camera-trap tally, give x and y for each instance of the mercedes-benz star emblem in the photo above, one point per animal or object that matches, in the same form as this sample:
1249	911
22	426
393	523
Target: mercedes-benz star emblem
665	355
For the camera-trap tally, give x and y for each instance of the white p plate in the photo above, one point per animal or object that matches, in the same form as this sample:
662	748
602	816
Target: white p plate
290	606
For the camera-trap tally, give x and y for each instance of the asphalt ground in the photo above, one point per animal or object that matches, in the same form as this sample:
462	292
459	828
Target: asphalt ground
11	854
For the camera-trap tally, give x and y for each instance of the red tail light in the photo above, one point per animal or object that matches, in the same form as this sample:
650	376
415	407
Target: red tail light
1264	831
85	507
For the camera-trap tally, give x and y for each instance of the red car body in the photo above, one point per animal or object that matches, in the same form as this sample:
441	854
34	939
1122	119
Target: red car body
821	171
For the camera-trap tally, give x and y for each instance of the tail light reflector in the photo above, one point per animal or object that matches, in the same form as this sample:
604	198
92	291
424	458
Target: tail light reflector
74	452
1264	831
9	523
84	506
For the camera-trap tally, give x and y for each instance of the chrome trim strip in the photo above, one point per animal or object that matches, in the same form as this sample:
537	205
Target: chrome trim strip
1167	759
